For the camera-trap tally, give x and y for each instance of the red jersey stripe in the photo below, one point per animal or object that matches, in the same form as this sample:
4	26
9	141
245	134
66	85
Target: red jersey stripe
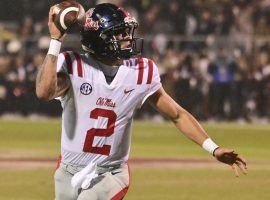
120	195
79	64
68	62
140	74
59	160
150	71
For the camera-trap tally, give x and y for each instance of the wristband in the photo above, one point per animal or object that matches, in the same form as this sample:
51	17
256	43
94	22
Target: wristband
209	146
54	48
55	39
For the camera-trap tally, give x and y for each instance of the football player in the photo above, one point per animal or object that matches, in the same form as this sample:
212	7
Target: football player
99	92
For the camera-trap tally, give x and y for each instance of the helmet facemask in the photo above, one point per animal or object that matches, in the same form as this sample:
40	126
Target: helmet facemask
114	46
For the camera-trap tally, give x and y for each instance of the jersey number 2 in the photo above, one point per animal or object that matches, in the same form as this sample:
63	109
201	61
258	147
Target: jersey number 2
88	144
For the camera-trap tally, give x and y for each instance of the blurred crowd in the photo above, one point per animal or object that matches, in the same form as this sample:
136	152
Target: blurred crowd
213	55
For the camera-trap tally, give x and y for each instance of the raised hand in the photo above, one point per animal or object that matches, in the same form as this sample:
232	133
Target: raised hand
54	31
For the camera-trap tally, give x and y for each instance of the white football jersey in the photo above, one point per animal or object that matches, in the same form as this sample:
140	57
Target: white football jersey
97	117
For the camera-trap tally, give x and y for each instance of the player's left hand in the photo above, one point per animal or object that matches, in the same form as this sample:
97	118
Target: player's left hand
232	158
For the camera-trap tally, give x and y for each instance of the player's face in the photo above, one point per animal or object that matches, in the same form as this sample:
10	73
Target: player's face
124	34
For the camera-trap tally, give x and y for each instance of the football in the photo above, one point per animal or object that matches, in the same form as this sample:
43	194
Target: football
68	14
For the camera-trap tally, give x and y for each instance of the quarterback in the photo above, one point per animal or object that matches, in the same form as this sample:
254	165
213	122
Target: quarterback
99	92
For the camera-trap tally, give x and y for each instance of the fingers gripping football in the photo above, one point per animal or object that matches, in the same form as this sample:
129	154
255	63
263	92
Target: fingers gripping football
68	14
54	31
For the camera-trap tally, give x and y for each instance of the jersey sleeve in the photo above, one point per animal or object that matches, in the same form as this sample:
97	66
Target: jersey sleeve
61	64
155	82
62	67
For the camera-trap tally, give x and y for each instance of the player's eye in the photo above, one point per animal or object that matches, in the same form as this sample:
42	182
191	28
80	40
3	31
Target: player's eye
123	32
126	33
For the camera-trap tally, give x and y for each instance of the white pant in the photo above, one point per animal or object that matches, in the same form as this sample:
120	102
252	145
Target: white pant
111	183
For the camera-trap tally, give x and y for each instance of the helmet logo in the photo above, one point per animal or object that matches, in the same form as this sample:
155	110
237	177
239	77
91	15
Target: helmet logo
86	89
90	24
89	13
